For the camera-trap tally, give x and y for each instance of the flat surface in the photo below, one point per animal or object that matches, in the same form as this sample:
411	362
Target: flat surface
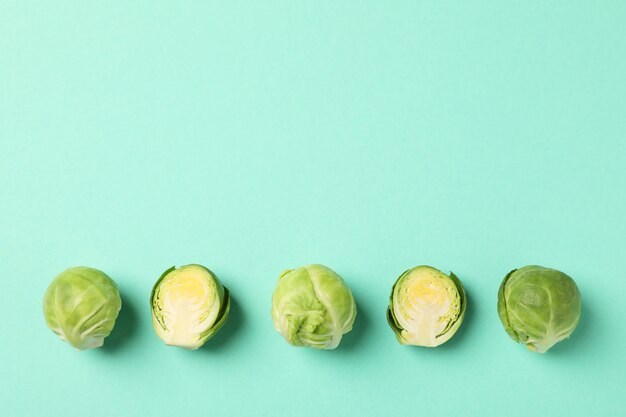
256	136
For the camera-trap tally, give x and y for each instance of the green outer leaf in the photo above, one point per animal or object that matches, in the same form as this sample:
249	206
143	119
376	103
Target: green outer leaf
452	326
68	308
296	311
312	306
463	299
391	318
503	310
550	317
159	317
221	316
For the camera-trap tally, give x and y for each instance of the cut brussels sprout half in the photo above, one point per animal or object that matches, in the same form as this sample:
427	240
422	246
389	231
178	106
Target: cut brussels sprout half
426	307
538	306
312	306
81	305
189	305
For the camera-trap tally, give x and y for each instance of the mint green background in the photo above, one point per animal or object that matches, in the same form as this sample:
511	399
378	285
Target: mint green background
257	136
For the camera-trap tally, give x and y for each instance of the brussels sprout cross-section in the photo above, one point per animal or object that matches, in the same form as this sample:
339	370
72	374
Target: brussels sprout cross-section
189	305
426	307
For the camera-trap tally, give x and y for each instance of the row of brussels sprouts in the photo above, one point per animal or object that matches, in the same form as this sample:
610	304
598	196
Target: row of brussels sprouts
313	306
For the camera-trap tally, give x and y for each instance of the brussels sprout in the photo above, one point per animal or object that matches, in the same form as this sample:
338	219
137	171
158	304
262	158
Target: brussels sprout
426	307
538	306
312	306
189	305
81	305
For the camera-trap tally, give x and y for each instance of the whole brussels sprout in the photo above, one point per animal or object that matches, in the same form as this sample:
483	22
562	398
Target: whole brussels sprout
81	305
426	307
538	306
189	305
312	306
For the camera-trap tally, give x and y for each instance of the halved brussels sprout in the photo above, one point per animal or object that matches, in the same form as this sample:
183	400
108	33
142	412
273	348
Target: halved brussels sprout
538	306
426	307
189	305
312	306
81	305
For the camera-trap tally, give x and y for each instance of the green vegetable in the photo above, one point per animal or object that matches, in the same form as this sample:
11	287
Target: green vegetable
189	305
538	306
312	306
81	305
426	306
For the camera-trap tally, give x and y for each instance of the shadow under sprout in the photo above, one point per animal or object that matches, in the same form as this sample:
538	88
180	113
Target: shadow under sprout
227	334
125	327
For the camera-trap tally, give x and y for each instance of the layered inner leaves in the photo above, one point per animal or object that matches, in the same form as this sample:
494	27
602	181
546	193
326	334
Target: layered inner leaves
426	305
186	304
